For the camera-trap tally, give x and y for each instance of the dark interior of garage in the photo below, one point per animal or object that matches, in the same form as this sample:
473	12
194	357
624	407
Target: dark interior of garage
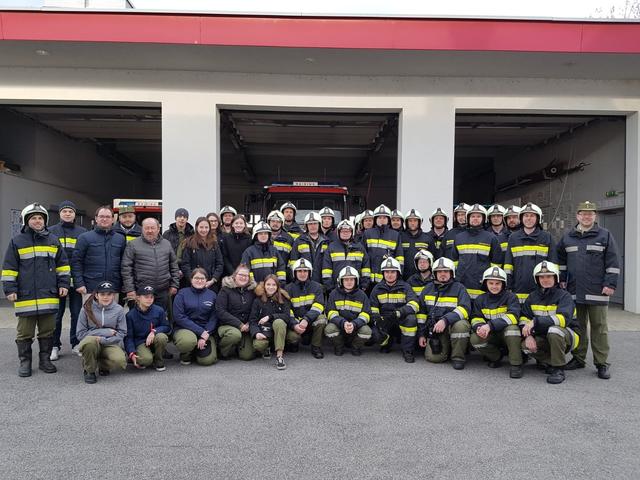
555	161
355	150
93	154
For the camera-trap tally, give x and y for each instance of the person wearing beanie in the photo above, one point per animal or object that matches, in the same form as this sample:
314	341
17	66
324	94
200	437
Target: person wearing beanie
67	232
179	230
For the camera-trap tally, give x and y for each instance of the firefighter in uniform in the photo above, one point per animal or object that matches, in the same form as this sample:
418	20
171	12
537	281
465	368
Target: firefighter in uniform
443	321
494	322
328	225
289	211
364	223
413	239
496	226
512	218
382	241
35	274
280	239
589	269
311	245
394	306
459	226
548	322
397	220
349	314
423	261
342	252
67	232
527	247
474	251
307	302
227	214
436	236
262	258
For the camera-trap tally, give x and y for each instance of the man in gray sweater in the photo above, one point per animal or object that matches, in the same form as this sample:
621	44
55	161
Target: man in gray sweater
150	260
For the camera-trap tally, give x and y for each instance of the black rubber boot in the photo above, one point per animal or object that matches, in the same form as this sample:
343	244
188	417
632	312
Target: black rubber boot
408	357
24	354
46	344
317	352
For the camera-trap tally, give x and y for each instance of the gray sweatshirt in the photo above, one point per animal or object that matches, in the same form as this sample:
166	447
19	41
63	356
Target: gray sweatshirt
110	318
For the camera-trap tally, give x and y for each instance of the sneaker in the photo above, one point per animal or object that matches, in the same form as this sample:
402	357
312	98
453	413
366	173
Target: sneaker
160	367
515	371
266	354
280	365
408	357
76	350
90	377
574	364
603	372
185	359
55	354
338	351
317	352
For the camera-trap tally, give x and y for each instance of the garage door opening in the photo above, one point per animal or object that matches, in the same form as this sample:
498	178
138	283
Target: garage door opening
358	151
555	161
88	154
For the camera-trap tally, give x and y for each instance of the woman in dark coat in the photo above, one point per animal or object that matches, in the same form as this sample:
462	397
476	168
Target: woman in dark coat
201	250
271	320
235	243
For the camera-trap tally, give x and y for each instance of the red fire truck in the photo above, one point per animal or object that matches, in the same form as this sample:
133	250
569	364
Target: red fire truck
307	197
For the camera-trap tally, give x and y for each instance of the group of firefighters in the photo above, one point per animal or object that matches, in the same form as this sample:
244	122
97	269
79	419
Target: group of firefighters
495	282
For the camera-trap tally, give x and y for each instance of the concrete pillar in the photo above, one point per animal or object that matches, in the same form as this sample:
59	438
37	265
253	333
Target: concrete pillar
426	156
631	209
190	156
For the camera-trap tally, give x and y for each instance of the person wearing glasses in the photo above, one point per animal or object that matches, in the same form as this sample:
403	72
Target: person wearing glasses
98	255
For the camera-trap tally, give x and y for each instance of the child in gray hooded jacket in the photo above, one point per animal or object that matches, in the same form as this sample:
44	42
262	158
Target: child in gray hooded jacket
102	326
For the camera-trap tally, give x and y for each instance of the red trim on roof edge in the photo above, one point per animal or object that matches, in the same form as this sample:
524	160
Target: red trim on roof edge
355	33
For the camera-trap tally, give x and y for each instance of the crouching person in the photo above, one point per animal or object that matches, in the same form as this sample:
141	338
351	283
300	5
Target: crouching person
443	325
394	306
549	324
349	314
270	320
307	300
102	327
233	307
195	320
147	331
494	322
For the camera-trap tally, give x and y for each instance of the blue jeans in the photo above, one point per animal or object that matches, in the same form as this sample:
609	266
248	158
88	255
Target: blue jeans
75	304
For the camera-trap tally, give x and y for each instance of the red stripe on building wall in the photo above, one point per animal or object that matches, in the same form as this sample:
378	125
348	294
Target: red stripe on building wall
357	33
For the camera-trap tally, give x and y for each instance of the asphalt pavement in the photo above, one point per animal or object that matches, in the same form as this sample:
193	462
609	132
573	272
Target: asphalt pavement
367	417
